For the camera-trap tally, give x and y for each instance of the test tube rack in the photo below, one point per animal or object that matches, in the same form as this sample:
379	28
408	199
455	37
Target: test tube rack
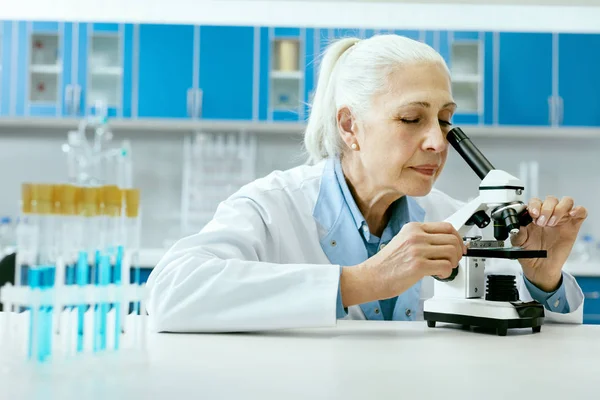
77	280
48	319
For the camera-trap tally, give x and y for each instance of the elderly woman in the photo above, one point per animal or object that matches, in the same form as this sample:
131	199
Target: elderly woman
357	233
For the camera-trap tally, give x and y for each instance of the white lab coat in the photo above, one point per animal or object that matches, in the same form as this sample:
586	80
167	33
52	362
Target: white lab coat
260	265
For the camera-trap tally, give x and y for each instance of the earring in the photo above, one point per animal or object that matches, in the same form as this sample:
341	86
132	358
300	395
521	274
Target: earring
354	146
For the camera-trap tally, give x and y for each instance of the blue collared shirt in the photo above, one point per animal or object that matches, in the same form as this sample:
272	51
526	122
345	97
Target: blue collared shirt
404	210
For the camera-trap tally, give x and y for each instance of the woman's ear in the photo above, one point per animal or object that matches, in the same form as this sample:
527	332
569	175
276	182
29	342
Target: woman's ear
347	128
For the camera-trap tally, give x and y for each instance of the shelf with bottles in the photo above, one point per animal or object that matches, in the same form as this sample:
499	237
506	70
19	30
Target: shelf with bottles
467	75
45	68
286	75
105	70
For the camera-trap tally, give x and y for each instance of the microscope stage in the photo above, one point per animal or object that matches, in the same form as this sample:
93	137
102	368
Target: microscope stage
512	253
497	315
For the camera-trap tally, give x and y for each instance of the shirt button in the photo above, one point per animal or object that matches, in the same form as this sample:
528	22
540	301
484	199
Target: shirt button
408	312
557	302
377	311
381	246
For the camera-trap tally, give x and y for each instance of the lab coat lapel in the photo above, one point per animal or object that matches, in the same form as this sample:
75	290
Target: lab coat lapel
339	239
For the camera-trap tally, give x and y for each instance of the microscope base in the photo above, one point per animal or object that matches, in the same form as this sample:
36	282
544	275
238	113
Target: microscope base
489	315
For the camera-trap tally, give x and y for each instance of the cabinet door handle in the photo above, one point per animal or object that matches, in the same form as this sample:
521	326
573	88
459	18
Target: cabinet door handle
69	98
551	110
561	110
198	103
190	101
592	295
77	98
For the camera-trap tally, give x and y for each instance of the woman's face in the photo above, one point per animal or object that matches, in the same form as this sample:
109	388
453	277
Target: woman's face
402	138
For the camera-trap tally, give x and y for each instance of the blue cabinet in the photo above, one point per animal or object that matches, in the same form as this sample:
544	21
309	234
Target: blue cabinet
578	100
469	56
103	74
227	58
72	69
6	48
44	61
166	71
525	78
590	286
282	83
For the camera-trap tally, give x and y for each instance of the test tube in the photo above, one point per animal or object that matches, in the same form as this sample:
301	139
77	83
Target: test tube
114	250
133	232
26	237
87	211
41	273
98	265
111	210
71	244
59	237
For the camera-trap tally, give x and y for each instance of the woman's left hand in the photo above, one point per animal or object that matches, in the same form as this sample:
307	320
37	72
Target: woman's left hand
554	228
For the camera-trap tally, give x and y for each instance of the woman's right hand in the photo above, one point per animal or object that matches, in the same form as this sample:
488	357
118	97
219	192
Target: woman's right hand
418	250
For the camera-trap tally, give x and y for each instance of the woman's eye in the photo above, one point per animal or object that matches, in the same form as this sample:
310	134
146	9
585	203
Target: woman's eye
410	121
445	123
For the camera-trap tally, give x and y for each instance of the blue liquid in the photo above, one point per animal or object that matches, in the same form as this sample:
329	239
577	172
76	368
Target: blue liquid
48	276
33	280
103	279
117	280
82	280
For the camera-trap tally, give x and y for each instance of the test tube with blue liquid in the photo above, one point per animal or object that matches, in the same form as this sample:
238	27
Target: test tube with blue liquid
88	212
133	232
41	272
111	265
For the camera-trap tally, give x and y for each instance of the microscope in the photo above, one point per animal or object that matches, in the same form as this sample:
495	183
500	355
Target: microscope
463	298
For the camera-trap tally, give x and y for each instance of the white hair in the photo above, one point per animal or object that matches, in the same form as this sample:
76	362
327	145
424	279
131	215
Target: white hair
352	71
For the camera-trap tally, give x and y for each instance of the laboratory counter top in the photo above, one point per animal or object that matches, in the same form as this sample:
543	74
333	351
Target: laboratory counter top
149	257
352	360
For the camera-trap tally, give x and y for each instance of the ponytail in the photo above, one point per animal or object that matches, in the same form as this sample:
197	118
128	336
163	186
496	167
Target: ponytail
321	139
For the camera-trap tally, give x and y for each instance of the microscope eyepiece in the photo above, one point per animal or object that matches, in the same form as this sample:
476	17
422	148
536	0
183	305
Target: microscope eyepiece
469	152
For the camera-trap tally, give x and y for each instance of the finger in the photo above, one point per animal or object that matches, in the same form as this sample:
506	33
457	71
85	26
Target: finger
444	252
520	238
438	227
578	212
447	239
440	268
444	228
561	210
547	210
534	207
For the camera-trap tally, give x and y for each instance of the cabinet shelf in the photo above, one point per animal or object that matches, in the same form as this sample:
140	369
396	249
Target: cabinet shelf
107	71
286	75
467	78
47	69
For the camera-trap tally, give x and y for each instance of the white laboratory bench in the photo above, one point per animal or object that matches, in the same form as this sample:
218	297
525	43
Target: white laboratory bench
353	360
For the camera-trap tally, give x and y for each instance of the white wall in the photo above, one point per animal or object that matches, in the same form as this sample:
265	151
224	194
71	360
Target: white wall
566	168
517	16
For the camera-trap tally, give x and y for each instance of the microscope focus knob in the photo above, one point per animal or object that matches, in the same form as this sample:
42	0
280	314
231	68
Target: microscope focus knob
525	218
480	218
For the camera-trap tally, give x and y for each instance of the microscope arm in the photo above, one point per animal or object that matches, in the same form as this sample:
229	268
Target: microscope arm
462	220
